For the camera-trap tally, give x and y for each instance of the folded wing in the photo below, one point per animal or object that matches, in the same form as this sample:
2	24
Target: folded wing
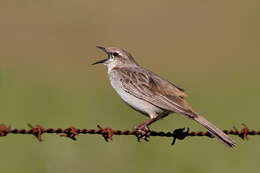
155	90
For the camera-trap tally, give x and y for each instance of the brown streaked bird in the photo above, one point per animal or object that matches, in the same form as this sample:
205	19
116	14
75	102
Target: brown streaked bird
150	94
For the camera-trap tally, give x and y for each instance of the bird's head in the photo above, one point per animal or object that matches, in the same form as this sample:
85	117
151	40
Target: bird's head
116	57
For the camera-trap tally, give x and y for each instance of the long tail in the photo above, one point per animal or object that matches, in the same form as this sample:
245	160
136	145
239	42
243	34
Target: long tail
220	135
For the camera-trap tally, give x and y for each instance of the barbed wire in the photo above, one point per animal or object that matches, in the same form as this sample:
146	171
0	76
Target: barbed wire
71	132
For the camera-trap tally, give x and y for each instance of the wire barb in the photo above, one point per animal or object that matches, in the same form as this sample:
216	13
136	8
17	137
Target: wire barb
107	133
4	130
37	131
179	134
70	132
243	132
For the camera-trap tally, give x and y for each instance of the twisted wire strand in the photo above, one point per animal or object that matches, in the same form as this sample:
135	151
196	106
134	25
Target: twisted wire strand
107	133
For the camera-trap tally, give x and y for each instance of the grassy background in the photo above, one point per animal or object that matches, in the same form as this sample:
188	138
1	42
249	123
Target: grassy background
46	47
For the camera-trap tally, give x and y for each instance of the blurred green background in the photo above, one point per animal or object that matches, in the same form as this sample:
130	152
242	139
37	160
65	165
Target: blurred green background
210	48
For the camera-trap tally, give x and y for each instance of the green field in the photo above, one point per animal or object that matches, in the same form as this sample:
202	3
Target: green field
211	49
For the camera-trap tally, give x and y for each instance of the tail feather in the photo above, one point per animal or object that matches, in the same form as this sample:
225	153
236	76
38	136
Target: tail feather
212	129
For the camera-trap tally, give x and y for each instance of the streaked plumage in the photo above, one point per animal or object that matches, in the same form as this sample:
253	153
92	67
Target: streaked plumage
150	94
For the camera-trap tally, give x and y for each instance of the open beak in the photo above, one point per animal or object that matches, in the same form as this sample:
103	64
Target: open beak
103	60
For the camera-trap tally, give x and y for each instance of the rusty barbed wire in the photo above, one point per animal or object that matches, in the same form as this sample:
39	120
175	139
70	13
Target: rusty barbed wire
108	133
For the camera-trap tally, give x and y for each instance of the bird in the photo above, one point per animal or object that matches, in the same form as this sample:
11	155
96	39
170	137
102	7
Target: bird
150	94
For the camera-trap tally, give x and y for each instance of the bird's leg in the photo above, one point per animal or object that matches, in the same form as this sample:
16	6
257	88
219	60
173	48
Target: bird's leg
143	129
144	125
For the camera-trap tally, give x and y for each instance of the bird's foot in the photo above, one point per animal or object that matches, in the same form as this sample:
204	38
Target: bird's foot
142	132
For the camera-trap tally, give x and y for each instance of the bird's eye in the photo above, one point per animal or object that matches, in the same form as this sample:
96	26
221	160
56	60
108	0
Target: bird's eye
115	54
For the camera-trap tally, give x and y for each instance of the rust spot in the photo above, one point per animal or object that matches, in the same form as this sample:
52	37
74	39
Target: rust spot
4	130
70	132
107	133
243	132
37	131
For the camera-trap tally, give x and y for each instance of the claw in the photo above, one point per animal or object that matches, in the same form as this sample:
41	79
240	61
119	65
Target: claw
142	132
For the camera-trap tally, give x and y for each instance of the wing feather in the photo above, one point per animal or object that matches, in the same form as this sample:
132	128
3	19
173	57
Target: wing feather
155	90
